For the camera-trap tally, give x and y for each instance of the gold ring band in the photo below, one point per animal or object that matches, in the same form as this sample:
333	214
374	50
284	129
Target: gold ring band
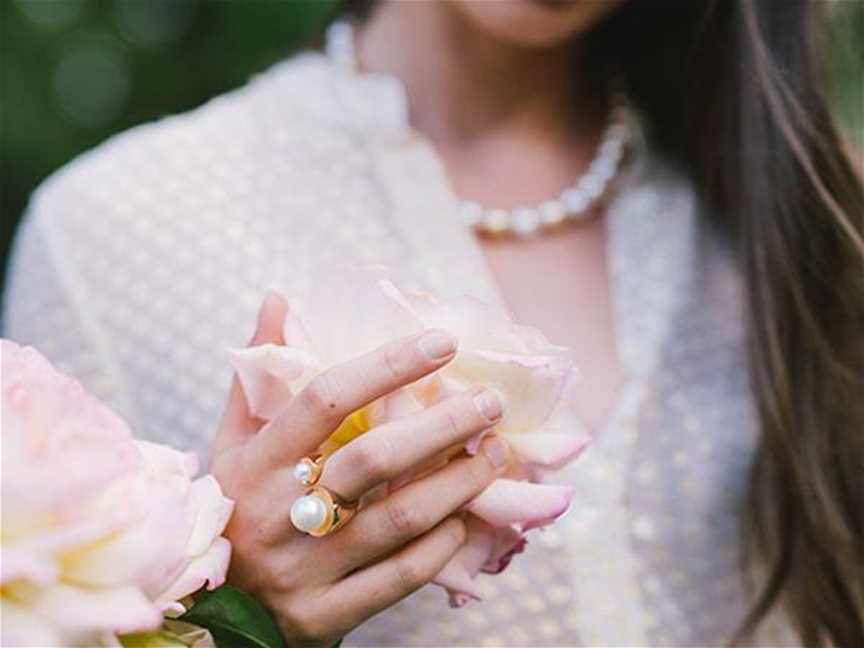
320	511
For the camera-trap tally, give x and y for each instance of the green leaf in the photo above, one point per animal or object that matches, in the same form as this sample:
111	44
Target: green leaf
235	619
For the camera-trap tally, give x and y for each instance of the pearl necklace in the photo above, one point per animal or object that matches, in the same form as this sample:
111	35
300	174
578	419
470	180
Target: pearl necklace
574	204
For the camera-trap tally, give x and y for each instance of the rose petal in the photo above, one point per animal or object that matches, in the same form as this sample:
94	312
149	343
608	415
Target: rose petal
149	551
458	582
479	325
507	543
530	389
486	549
167	462
548	450
23	627
57	436
21	559
270	374
212	512
26	564
458	574
350	312
78	610
294	334
507	502
207	569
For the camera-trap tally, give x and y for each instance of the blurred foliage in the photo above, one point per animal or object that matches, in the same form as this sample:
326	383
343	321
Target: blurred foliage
845	43
72	72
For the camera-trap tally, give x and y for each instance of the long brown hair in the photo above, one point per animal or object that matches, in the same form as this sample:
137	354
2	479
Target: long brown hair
736	92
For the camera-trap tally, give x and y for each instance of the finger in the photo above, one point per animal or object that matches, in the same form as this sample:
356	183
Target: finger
376	588
386	525
237	422
389	450
321	406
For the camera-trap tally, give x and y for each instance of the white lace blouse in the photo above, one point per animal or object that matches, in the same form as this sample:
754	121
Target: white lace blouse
140	262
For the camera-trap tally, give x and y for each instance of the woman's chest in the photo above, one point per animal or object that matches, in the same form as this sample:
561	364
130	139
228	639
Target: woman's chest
560	284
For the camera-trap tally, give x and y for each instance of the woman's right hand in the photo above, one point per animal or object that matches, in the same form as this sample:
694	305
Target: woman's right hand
319	589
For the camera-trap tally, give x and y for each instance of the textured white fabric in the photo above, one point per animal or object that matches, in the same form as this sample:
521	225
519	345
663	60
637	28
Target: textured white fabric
139	263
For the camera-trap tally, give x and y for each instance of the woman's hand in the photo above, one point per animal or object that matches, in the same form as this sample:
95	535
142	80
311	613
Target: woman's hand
321	588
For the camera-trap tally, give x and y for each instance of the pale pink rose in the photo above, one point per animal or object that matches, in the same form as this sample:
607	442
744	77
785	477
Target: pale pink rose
347	315
101	534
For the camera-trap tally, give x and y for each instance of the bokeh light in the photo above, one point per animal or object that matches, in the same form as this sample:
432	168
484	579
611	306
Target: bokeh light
155	23
50	13
92	81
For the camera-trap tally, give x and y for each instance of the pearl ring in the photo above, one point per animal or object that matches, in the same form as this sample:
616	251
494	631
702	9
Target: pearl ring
308	470
320	511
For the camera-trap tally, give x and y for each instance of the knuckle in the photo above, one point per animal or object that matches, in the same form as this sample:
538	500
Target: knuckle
410	574
453	422
283	579
320	396
404	521
303	625
311	630
395	360
480	472
456	531
372	458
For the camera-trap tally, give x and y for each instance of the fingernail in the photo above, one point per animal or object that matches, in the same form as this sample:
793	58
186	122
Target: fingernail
489	405
437	344
497	451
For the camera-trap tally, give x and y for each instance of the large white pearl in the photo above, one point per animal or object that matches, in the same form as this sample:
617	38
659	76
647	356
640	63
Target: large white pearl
308	513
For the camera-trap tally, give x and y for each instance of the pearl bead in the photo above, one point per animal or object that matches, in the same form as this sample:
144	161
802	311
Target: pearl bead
303	472
574	200
594	186
604	169
472	213
552	212
525	221
497	220
308	513
612	149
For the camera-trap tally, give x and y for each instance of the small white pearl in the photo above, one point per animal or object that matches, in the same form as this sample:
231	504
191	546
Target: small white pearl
552	212
592	185
574	200
472	212
612	149
303	472
497	220
308	513
604	168
525	221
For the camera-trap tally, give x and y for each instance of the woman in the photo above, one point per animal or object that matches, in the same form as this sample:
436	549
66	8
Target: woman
714	304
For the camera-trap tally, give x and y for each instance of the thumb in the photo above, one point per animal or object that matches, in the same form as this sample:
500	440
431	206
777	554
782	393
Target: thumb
238	424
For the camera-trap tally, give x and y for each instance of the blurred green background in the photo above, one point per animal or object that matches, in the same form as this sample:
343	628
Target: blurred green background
76	71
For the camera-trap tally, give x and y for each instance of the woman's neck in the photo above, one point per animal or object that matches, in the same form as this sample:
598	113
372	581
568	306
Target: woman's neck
464	86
